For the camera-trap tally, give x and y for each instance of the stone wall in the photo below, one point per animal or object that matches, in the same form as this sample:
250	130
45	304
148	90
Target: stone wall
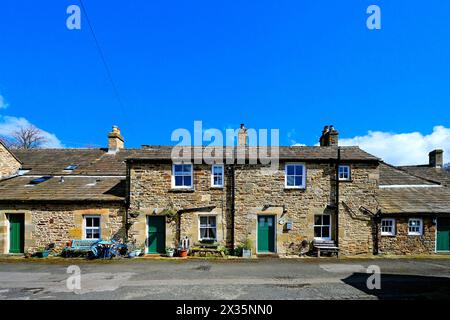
402	243
47	223
258	193
8	164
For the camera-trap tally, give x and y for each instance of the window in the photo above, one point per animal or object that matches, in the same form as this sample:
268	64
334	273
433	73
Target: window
71	167
39	180
295	176
415	227
208	228
217	175
92	227
322	226
344	173
182	176
388	227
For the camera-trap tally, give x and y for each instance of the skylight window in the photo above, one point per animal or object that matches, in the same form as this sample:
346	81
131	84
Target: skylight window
39	180
71	167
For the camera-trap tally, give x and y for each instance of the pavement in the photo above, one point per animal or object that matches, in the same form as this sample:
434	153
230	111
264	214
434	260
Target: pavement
278	279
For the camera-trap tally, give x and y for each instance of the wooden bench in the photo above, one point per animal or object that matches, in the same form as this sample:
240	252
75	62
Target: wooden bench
327	246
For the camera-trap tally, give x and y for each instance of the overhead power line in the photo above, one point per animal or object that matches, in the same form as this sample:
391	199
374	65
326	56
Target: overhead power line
102	57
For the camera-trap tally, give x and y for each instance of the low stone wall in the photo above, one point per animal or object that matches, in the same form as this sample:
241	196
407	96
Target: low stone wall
45	224
402	243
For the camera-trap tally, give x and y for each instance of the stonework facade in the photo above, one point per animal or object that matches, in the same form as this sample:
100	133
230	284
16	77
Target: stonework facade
404	243
59	223
9	165
257	193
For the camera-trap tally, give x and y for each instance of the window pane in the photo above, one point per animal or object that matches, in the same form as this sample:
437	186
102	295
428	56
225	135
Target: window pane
212	233
96	222
187	168
298	181
317	232
187	181
178	180
290	181
325	232
299	170
203	233
317	220
96	235
326	220
177	168
290	170
88	222
212	221
203	221
217	170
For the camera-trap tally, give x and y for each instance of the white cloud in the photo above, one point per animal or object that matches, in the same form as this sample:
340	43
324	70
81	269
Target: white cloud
403	148
8	125
3	104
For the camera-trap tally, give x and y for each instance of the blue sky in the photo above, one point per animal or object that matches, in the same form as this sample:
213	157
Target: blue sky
291	65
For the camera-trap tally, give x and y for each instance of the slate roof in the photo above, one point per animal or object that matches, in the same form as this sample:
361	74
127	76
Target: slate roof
311	153
89	161
414	200
437	174
390	175
401	192
74	188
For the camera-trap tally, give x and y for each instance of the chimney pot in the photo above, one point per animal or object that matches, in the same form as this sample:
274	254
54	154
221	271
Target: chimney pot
330	137
242	136
115	140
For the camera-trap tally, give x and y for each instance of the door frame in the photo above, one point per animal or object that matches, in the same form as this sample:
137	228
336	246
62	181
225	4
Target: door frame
8	233
146	242
435	238
275	222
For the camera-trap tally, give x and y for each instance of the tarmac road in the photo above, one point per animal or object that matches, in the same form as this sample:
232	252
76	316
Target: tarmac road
227	279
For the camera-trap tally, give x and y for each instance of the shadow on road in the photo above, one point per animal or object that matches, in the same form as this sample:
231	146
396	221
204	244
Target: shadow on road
397	286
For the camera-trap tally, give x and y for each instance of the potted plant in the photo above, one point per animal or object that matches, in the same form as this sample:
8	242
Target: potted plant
170	251
247	249
139	250
182	252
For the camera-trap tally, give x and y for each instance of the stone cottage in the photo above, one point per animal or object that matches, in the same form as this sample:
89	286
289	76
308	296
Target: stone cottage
326	192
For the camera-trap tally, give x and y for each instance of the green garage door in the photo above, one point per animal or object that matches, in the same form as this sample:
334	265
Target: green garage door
266	234
16	233
157	234
443	234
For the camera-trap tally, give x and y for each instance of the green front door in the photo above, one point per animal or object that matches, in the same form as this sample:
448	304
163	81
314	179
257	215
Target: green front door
266	234
16	233
157	234
443	234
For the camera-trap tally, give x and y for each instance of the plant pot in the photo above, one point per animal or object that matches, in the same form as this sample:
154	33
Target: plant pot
183	253
246	253
170	253
132	254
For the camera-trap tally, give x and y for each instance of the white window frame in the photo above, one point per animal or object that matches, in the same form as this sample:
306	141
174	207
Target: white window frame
385	233
209	227
85	227
303	185
191	173
415	233
349	173
212	175
322	225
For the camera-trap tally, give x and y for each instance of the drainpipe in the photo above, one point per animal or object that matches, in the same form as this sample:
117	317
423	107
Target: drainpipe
232	205
337	195
127	199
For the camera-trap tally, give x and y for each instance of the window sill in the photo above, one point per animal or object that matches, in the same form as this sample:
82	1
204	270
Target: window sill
294	188
181	190
216	188
388	235
346	180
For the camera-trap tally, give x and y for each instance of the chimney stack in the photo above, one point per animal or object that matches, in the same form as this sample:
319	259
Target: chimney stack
242	136
436	158
115	140
330	137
